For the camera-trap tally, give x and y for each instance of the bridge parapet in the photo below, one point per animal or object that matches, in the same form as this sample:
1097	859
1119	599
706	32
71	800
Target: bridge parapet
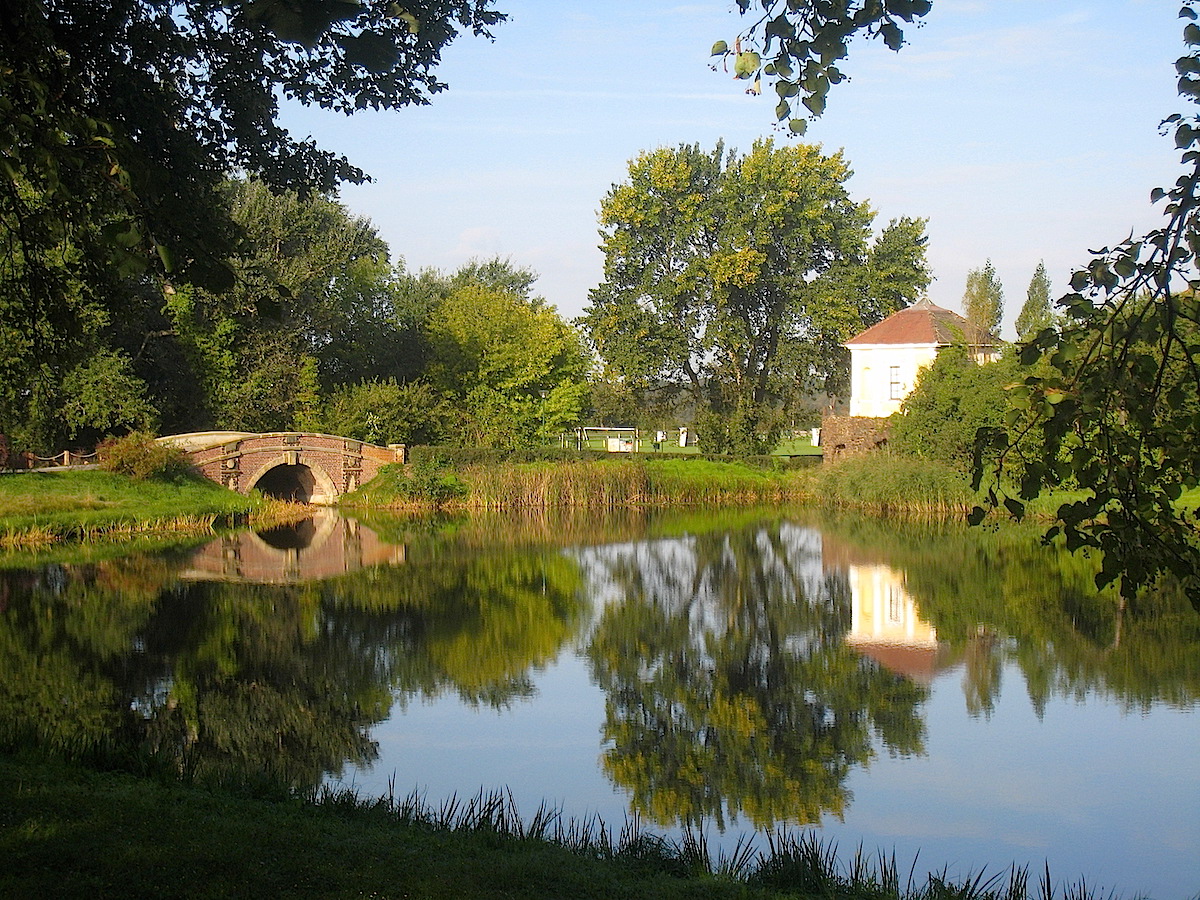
305	466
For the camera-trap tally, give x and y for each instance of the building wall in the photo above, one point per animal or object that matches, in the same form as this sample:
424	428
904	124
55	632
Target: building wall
882	375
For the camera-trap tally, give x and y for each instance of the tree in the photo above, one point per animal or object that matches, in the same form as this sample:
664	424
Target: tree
513	366
1036	314
119	122
952	400
387	412
730	688
312	307
983	299
725	277
129	113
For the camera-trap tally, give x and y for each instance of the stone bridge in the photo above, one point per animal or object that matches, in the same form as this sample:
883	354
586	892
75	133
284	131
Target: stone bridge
293	465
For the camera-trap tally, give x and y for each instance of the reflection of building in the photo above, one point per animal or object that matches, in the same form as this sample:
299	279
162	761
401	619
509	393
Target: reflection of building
886	626
323	546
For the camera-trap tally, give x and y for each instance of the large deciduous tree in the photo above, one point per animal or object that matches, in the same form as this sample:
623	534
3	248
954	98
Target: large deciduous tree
733	277
135	110
512	366
120	121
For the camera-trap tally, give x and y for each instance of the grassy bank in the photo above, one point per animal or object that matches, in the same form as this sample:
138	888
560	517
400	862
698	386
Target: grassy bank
644	481
70	832
892	484
44	508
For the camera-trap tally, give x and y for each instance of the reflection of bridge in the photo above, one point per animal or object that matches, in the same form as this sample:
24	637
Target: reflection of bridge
293	465
324	546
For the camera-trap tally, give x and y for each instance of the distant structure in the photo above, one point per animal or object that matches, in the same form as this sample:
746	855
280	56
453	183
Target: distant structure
885	361
293	465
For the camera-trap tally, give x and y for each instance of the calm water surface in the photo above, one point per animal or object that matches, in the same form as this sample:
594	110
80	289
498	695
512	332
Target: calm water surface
965	695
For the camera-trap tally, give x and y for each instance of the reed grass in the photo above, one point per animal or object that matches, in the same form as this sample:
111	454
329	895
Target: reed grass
893	484
602	484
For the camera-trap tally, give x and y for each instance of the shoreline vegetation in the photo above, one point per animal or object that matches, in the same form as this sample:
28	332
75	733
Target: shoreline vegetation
42	509
45	508
67	830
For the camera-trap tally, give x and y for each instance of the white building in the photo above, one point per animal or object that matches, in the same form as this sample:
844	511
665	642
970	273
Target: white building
886	358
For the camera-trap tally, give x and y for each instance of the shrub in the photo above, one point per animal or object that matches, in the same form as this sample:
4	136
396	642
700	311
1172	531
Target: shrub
953	399
140	456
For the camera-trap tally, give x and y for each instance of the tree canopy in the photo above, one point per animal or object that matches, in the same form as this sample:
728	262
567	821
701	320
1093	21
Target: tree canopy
1036	313
126	115
983	299
729	277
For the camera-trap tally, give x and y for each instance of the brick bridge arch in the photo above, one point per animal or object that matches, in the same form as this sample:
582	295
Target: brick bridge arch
296	465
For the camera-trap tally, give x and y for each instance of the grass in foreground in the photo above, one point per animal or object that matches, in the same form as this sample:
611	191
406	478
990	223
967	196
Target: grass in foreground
70	832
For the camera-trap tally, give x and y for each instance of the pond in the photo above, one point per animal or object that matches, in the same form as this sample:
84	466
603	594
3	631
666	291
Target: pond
963	695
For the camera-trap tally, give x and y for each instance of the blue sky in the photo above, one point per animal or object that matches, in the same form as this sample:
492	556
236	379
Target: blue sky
1022	129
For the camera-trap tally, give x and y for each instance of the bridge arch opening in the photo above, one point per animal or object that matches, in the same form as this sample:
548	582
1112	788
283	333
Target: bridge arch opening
295	482
284	482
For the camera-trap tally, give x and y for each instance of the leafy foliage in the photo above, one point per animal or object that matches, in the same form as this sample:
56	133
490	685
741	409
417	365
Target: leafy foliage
735	278
983	299
797	47
1037	313
387	412
1117	410
126	115
140	456
952	400
513	367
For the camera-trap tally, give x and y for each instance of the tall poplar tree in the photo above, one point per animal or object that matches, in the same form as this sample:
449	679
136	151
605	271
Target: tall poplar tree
1036	314
983	299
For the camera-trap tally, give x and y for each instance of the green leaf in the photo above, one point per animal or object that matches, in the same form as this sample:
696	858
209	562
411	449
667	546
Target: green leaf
720	48
746	64
167	257
798	126
892	35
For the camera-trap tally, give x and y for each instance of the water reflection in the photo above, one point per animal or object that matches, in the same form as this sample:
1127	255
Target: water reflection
731	690
886	626
324	546
226	663
754	669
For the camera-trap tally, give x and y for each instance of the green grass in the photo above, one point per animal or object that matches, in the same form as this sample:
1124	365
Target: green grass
53	506
644	480
892	483
67	832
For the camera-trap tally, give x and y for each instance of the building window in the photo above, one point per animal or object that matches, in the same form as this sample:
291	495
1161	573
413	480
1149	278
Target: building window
897	389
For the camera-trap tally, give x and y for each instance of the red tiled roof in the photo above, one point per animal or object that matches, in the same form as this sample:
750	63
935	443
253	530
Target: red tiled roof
923	323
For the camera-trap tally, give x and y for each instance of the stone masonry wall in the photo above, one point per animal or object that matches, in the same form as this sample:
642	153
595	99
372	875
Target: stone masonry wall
346	463
852	435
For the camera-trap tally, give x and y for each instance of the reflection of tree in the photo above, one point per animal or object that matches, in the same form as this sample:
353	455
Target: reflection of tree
1001	597
232	680
730	690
